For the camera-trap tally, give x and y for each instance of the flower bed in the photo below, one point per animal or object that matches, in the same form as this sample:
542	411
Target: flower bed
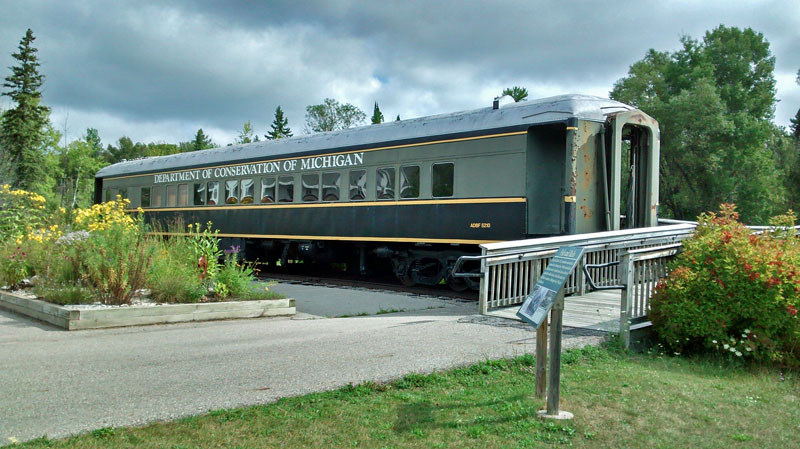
92	317
106	254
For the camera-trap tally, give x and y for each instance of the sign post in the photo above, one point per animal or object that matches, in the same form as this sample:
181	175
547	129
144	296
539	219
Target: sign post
547	294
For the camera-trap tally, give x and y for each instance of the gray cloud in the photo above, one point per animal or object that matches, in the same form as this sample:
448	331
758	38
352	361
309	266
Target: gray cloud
158	71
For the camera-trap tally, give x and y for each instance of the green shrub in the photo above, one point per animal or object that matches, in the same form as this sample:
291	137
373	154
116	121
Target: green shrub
20	213
733	292
234	278
115	262
63	294
14	266
204	243
174	282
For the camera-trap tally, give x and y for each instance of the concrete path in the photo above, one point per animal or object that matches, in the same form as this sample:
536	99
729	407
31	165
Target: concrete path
57	383
333	302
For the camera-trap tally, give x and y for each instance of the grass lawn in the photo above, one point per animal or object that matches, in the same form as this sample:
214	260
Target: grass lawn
619	401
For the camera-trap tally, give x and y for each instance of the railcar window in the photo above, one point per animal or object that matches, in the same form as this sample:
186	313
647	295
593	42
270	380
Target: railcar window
442	175
231	192
286	189
172	196
409	181
330	186
108	194
183	195
247	191
145	196
358	185
200	194
213	193
157	199
123	193
310	187
267	190
384	181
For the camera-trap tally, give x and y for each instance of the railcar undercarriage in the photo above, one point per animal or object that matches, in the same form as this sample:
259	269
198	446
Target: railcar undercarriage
420	264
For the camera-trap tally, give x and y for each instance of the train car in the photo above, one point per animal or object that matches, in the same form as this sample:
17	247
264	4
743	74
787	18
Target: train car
419	192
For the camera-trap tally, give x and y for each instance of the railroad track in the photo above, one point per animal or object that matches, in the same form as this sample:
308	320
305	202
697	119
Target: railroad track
377	284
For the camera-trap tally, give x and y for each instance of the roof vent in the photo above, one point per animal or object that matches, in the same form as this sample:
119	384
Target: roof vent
499	102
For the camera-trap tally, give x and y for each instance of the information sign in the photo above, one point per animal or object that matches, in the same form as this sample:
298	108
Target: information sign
543	295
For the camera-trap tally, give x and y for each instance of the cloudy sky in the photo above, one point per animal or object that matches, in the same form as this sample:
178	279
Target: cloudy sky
158	71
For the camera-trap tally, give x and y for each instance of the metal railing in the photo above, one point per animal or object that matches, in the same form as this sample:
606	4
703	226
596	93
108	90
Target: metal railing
640	272
509	270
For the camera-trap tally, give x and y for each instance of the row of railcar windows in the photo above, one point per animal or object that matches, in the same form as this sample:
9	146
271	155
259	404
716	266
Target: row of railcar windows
313	188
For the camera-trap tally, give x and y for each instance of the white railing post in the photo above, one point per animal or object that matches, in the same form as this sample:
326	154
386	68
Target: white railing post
483	298
627	279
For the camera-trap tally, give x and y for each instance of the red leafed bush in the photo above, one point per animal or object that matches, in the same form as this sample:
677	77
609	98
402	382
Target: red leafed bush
733	291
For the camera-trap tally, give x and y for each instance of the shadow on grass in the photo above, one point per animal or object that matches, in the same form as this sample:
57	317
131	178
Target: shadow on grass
425	415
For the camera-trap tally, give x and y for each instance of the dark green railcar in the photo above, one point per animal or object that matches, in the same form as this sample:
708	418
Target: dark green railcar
420	192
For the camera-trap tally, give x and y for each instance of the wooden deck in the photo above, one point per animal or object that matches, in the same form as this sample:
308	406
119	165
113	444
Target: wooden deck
597	310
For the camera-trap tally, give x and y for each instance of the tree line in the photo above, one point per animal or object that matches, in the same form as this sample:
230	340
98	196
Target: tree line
714	99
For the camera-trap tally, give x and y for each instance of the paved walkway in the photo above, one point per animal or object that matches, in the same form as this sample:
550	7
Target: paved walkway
57	383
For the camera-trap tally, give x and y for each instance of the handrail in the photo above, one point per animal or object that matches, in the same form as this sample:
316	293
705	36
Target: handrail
595	237
456	274
589	241
591	281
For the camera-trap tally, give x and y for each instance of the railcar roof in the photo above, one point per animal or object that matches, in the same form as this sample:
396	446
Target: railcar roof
530	112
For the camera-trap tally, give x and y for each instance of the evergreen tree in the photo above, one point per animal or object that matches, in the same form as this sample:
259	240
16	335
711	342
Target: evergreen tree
377	115
280	126
22	128
201	141
398	118
517	93
795	126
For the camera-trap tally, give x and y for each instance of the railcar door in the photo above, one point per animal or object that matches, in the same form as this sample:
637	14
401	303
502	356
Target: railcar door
633	154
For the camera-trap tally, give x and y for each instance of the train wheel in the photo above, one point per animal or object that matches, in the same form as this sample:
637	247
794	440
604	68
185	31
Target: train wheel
427	271
457	284
407	281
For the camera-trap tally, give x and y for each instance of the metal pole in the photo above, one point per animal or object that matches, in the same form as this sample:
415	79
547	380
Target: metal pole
541	360
554	381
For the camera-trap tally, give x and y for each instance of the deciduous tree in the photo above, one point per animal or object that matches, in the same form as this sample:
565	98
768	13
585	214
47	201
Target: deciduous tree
331	115
714	100
246	135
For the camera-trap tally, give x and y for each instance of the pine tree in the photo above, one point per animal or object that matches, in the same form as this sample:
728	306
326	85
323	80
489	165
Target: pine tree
517	93
398	118
22	128
795	126
201	141
280	126
377	115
